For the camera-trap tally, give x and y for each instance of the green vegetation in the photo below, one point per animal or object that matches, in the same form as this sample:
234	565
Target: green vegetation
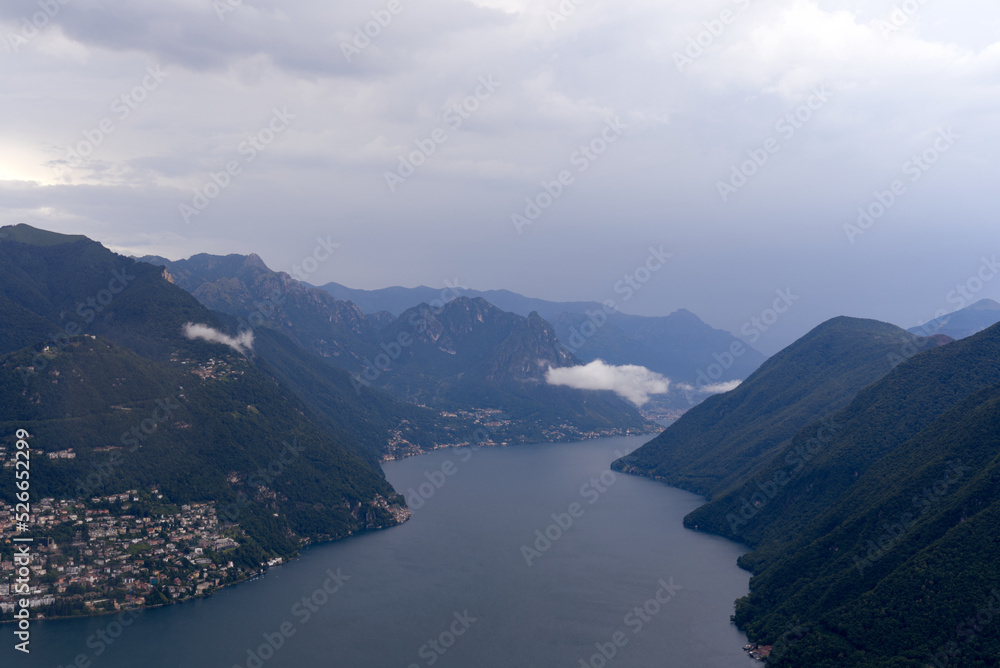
722	440
366	417
26	234
94	362
365	381
873	528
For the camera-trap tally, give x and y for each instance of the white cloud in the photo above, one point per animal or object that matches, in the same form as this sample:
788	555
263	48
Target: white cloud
715	388
719	388
631	382
241	343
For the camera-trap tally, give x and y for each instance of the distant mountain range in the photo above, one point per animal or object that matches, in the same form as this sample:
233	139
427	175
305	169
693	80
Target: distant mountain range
470	355
871	510
395	300
465	355
346	326
244	286
963	323
679	346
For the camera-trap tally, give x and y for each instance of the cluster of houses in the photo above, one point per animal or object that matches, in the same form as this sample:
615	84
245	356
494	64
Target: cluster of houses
102	553
759	652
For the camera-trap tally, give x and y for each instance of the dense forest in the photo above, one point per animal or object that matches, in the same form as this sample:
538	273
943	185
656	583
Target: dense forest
873	528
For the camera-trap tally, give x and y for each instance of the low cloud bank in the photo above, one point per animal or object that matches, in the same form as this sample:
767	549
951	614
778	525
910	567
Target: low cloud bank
715	388
631	382
241	343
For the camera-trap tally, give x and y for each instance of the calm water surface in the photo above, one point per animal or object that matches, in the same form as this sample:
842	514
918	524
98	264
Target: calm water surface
453	587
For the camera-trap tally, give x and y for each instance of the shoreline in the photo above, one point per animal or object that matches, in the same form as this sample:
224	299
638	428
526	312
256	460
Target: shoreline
627	433
284	560
309	543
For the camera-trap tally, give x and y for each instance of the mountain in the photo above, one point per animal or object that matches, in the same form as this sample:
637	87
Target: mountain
962	323
873	529
829	454
901	570
723	438
280	310
340	323
338	331
469	355
242	285
26	234
396	300
906	521
680	345
383	426
95	365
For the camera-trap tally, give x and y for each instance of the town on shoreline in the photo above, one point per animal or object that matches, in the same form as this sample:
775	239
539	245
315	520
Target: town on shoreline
129	550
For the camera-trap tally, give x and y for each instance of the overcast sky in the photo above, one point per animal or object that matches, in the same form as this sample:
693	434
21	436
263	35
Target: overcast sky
311	115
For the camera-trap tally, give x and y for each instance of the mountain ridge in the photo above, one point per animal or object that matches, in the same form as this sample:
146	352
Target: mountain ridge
717	441
101	355
874	524
962	323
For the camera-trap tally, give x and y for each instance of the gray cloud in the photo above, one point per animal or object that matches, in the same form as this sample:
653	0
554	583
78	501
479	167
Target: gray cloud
657	185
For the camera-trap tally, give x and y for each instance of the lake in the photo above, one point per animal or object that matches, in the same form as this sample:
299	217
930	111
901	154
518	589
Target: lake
532	556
